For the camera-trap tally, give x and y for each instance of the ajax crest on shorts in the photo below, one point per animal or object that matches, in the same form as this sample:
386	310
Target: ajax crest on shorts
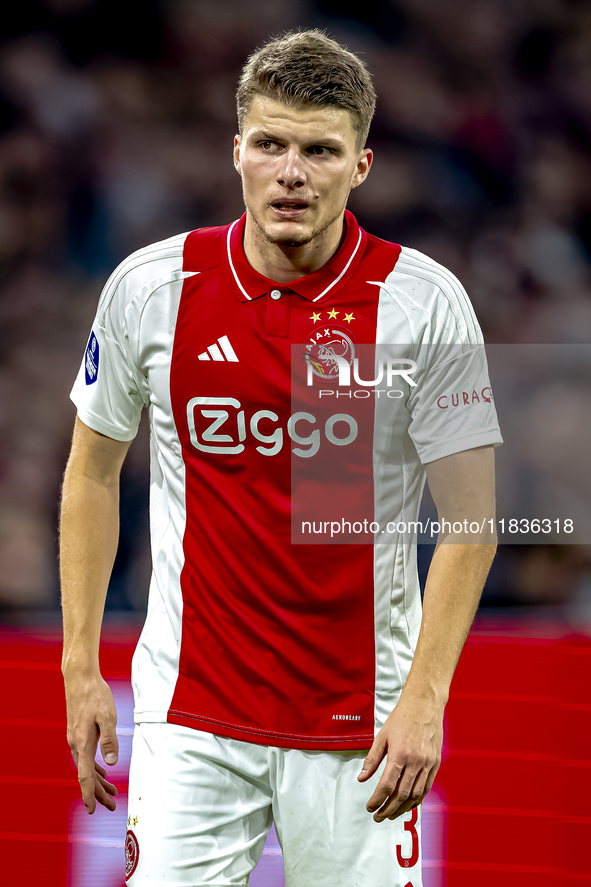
132	854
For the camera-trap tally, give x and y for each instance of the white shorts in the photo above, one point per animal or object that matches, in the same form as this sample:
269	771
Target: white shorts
200	808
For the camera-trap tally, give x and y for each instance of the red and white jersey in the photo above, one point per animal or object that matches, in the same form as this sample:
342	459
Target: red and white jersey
253	631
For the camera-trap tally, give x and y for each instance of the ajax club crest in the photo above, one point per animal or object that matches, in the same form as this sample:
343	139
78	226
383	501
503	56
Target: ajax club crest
322	348
132	853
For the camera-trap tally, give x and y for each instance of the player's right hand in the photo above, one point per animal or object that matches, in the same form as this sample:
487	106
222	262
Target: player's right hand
92	716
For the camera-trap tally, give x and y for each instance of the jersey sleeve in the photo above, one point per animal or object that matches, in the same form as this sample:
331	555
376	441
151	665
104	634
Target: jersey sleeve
109	389
452	406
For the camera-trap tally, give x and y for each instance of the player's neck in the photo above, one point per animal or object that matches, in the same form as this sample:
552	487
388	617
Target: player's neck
283	262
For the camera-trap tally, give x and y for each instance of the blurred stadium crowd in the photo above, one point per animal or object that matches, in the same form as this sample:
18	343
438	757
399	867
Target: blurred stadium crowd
116	125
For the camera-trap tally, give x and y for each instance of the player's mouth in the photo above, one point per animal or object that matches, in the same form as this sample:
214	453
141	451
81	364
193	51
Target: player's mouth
290	208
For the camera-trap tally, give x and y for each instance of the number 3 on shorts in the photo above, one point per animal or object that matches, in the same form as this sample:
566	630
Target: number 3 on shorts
409	826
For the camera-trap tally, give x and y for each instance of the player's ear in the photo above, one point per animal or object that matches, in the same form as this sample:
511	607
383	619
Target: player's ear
237	154
363	167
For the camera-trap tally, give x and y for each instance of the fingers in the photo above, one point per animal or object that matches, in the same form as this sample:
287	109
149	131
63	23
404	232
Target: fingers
104	791
86	777
373	760
394	798
107	725
388	788
101	775
406	795
94	785
109	743
93	782
399	806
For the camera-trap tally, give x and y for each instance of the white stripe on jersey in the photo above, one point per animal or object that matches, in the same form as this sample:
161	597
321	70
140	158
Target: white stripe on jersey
156	659
172	248
415	264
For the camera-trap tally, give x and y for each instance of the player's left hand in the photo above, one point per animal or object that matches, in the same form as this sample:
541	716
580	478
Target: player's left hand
411	738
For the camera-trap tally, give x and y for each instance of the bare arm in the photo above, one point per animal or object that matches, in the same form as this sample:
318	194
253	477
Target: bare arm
89	532
462	486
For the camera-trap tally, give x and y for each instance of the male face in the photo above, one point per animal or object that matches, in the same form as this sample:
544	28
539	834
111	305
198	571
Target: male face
298	166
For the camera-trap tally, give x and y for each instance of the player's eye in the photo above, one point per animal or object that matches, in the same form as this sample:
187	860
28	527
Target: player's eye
318	150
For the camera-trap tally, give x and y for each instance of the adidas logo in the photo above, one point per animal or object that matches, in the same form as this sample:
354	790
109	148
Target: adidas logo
216	354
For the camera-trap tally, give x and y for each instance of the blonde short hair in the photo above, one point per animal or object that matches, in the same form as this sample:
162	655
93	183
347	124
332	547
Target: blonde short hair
308	68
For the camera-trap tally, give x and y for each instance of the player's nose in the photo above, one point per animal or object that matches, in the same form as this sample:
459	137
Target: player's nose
292	169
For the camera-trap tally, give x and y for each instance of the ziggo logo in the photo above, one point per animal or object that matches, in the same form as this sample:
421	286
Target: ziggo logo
209	440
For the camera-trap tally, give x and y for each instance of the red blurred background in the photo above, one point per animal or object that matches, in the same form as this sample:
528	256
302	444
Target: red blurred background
509	804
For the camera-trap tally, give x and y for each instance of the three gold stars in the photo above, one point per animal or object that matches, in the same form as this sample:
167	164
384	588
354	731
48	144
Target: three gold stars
332	314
